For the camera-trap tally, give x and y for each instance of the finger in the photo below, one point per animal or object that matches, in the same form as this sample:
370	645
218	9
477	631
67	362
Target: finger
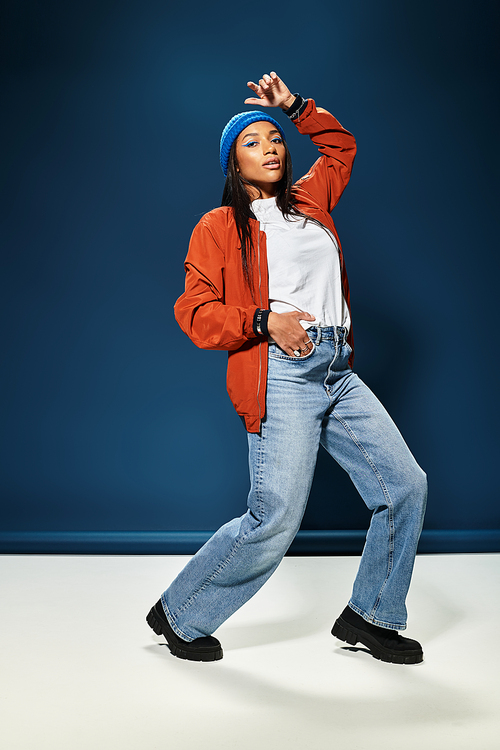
299	346
263	84
267	78
303	315
260	102
258	91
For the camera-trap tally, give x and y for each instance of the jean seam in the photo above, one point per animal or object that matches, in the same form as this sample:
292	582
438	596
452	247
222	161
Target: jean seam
328	372
260	472
209	579
238	542
364	452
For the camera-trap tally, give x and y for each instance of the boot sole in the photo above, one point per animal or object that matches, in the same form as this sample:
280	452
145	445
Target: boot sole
161	628
350	635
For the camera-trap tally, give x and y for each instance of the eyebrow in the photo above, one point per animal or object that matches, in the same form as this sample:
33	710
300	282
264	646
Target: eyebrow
257	134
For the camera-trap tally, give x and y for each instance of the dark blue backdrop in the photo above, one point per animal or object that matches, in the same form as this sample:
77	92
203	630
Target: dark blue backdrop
112	421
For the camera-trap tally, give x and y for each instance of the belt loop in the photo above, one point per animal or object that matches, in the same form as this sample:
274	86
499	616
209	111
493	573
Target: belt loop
318	337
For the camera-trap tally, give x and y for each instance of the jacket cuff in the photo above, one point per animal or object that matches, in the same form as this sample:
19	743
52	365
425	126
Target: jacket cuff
260	322
297	107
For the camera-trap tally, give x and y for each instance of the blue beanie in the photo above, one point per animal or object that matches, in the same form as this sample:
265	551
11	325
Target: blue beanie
235	126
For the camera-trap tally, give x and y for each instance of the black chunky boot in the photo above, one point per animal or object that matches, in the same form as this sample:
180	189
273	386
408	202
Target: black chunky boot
384	644
201	649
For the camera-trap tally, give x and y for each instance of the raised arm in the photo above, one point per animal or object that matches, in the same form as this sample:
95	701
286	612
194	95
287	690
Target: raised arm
329	175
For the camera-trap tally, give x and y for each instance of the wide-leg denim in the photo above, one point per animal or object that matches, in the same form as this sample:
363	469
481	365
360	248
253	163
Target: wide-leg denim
311	400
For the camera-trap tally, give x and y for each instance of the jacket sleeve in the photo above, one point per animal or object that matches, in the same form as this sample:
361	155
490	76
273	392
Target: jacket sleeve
328	176
201	311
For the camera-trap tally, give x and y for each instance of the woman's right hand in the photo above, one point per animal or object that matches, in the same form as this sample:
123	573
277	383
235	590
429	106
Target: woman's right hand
286	331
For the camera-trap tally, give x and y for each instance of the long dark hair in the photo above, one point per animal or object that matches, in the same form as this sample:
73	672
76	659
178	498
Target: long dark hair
236	195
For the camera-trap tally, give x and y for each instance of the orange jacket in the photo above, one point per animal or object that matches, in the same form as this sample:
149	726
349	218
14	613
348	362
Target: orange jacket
217	308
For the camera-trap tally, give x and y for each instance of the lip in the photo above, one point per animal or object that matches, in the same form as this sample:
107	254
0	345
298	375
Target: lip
272	164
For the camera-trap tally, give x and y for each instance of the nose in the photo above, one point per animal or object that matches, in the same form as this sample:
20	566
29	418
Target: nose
270	148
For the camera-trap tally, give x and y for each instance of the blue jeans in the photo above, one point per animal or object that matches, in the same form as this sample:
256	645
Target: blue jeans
311	400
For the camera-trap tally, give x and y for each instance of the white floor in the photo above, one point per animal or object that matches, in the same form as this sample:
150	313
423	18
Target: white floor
80	669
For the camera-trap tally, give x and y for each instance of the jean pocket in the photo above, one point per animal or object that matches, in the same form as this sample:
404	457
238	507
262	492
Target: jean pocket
276	353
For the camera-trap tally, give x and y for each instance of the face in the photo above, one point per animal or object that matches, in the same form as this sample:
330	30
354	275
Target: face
261	156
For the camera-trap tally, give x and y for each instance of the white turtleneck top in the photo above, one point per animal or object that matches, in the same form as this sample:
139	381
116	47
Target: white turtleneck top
304	267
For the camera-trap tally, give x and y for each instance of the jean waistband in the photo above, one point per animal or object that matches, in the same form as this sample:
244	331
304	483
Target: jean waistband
327	333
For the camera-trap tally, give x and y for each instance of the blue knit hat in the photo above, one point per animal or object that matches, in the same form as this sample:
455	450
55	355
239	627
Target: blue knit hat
235	126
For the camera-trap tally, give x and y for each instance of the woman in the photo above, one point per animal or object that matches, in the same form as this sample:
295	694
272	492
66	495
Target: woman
265	279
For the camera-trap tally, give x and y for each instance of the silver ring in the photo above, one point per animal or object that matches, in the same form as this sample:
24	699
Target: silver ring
297	352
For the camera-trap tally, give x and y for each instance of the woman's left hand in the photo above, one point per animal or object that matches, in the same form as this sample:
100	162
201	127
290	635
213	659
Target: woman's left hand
272	92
